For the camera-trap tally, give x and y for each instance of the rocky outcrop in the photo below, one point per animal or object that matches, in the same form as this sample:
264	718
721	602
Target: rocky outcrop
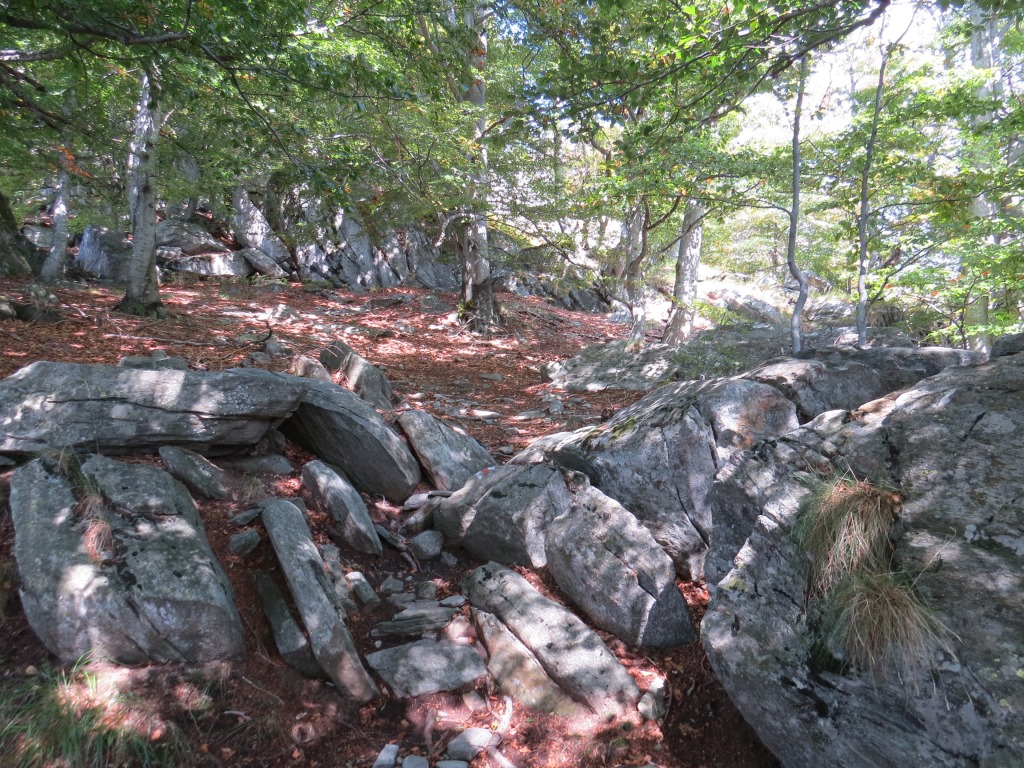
99	407
951	447
114	563
449	456
612	366
103	254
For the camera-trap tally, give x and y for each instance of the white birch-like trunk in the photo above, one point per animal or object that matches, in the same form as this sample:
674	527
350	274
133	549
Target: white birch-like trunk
142	296
684	292
794	212
56	259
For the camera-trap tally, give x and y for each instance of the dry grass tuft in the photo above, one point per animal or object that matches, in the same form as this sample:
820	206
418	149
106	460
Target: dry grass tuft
878	622
845	526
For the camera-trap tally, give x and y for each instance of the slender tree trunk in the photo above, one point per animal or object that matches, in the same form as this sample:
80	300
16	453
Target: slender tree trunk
477	291
13	246
142	296
863	256
56	259
684	293
634	253
794	211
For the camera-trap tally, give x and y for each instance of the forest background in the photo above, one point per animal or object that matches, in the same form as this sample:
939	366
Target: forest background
868	148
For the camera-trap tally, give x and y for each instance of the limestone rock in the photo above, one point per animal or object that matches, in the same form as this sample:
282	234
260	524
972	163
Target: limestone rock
102	407
322	616
571	653
427	666
132	580
450	457
338	498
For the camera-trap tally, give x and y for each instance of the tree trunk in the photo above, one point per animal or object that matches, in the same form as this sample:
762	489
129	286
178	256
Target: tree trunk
794	212
142	296
56	259
634	251
13	246
684	293
477	291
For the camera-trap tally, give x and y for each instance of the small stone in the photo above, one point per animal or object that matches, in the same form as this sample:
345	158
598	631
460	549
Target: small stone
387	757
415	761
455	601
448	560
451	764
390	538
415	501
507	450
261	358
391	586
244	518
492	376
474	701
471	742
244	542
426	590
401	600
427	545
362	589
31	671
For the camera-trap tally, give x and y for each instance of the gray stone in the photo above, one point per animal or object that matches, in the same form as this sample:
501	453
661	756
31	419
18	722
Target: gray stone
104	254
188	237
952	445
613	366
471	742
612	568
252	229
390	538
361	376
426	590
516	670
244	518
427	545
387	758
454	601
417	618
392	586
571	653
331	556
154	363
211	264
101	407
652	704
333	492
196	472
262	263
244	542
270	464
450	457
1011	344
308	368
345	432
288	637
427	666
304	570
162	598
415	761
362	589
451	764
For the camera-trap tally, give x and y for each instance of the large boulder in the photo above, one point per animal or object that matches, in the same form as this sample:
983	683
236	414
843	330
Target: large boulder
361	376
114	563
344	431
230	264
335	494
952	445
844	377
187	237
614	366
659	456
252	229
104	254
613	569
571	653
449	456
101	407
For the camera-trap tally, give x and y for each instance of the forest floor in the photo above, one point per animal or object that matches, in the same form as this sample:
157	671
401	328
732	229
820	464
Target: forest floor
259	712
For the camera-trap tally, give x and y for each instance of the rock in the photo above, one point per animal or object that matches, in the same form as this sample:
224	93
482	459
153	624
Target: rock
454	601
659	456
571	653
451	764
516	670
415	761
244	518
362	589
611	567
361	376
131	579
452	515
388	757
345	432
427	590
309	368
304	570
244	542
101	407
334	570
252	230
846	377
951	444
213	264
507	522
747	306
427	666
262	263
471	742
288	637
415	619
189	238
342	502
427	545
154	363
271	464
196	472
612	366
449	456
391	586
104	254
652	704
1010	344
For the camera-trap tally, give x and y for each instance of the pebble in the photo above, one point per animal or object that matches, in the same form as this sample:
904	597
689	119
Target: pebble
245	542
471	742
387	757
415	761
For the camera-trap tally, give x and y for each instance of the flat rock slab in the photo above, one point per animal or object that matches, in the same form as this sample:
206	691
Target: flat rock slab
571	653
337	496
450	457
135	581
427	666
102	407
609	565
418	618
344	431
321	614
288	637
